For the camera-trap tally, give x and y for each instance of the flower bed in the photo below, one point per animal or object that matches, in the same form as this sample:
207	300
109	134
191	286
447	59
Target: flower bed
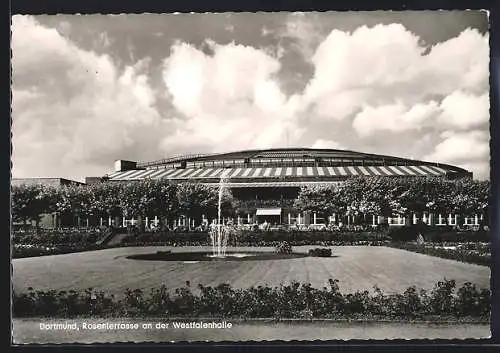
56	237
52	242
67	241
287	301
474	253
283	248
28	250
320	252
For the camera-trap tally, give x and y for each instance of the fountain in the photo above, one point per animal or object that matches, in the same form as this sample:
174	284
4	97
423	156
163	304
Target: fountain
219	236
219	232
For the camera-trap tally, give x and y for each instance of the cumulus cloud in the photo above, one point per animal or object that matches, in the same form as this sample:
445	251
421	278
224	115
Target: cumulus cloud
379	65
466	149
230	99
74	110
77	110
458	146
368	57
326	144
394	117
464	110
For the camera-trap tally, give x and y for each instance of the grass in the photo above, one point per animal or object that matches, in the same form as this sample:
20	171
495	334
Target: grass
357	268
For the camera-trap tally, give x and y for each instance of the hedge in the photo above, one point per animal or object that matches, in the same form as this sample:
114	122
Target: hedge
294	300
437	234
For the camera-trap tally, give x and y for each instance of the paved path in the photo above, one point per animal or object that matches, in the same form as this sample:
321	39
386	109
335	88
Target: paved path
28	331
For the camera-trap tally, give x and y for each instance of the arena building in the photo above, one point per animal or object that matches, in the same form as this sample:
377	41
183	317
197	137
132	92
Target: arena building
267	181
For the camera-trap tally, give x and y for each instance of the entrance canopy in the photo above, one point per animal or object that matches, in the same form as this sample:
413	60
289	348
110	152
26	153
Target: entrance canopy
268	212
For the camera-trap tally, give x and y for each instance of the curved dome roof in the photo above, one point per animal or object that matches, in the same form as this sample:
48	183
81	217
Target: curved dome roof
285	165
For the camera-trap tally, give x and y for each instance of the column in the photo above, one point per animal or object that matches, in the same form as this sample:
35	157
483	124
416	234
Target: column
334	218
450	219
298	218
147	222
430	219
373	220
476	220
156	221
248	218
289	219
399	219
414	218
440	219
100	221
109	221
123	222
456	219
314	218
239	220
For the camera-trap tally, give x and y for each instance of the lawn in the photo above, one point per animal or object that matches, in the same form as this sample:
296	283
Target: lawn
356	267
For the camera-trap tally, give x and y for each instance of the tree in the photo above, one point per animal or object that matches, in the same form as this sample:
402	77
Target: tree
196	199
29	202
470	196
148	197
322	199
76	200
106	199
167	205
367	196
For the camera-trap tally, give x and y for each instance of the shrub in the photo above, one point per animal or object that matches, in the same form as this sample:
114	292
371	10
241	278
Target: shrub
320	252
294	300
283	248
159	301
129	239
143	238
441	298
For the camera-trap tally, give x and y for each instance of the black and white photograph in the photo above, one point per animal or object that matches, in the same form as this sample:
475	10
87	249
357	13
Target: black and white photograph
235	177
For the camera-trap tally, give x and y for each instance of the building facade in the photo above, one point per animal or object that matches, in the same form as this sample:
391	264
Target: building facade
268	181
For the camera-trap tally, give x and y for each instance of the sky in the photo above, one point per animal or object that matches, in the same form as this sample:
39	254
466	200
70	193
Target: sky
90	89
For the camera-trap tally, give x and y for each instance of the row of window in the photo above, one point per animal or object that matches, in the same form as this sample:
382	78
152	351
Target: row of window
285	163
